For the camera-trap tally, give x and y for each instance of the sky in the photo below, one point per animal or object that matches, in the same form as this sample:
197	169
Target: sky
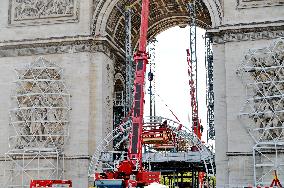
172	77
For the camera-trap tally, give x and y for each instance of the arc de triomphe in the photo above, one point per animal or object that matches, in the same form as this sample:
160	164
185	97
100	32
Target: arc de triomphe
68	55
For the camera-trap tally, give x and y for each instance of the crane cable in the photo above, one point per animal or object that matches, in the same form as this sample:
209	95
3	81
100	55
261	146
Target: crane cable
168	108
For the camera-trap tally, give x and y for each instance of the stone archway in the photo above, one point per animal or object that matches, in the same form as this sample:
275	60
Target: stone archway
109	20
244	25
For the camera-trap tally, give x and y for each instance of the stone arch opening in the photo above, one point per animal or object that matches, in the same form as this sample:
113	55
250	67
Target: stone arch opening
110	25
164	14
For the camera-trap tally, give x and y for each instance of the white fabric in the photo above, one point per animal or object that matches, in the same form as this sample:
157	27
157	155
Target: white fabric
156	185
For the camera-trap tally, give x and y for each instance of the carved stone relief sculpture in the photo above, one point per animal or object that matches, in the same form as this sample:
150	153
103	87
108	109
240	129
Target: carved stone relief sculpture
263	73
32	12
39	117
263	113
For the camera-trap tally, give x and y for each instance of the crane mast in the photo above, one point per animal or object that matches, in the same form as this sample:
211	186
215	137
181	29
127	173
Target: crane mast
192	71
141	59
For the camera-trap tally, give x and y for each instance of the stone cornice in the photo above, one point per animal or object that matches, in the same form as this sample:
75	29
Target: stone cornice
237	33
59	45
45	40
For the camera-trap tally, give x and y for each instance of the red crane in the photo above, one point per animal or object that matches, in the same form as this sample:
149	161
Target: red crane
196	122
130	172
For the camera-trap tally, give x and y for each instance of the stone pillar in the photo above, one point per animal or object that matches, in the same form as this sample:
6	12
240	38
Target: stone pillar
220	115
101	98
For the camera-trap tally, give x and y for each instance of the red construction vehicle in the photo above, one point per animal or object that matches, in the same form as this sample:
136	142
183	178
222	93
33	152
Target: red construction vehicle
51	183
130	172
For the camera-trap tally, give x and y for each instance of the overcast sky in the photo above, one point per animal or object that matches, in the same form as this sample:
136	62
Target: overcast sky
172	76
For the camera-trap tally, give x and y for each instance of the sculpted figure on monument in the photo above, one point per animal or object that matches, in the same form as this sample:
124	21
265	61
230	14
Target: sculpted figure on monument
44	75
266	70
36	125
29	9
28	75
51	114
43	86
41	106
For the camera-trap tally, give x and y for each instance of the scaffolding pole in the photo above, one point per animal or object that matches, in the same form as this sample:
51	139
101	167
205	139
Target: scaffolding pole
151	76
192	69
209	88
128	59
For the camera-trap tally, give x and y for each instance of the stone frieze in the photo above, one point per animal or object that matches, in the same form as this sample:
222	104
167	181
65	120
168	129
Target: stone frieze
57	46
34	12
237	36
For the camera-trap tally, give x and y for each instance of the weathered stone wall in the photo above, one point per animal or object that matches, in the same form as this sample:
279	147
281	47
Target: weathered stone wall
251	12
44	19
233	143
101	97
245	25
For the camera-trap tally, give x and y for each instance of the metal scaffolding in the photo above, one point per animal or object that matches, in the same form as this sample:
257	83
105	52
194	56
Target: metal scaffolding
128	59
124	97
129	63
262	72
104	159
152	75
192	71
39	124
209	88
119	107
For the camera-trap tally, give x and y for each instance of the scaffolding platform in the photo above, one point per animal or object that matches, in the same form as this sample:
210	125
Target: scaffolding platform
159	157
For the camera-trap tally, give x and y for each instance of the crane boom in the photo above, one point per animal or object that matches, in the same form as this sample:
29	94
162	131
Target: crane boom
141	59
144	26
